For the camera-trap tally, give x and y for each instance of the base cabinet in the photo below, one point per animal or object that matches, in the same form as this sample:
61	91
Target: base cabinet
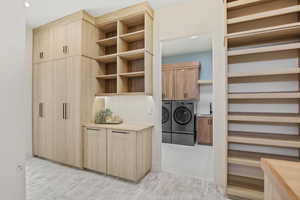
204	130
121	153
95	149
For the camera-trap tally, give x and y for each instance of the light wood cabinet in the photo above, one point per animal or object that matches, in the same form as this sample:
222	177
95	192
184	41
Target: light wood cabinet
42	43
186	83
180	81
123	150
95	149
43	110
129	153
204	130
73	35
168	89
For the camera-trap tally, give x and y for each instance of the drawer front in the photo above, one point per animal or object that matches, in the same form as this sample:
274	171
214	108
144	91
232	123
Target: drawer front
95	149
122	153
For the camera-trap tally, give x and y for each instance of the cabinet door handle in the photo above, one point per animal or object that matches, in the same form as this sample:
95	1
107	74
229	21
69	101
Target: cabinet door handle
64	49
185	95
67	49
93	129
121	132
66	111
41	112
63	111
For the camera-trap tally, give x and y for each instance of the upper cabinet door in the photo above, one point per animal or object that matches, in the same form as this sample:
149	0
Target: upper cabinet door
73	38
59	41
186	86
168	84
42	40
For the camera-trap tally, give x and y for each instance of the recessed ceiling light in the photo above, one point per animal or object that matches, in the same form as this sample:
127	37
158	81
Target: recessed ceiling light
194	37
27	4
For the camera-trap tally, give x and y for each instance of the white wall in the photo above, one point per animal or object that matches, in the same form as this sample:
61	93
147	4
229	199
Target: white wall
28	74
13	100
205	16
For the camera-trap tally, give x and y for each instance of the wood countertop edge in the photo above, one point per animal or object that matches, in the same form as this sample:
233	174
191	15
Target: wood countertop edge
139	127
280	181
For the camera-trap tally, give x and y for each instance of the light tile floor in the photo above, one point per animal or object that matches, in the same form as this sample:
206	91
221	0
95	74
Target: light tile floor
192	161
49	181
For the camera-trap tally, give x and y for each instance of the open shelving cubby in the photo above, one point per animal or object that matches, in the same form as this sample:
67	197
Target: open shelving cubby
263	58
125	58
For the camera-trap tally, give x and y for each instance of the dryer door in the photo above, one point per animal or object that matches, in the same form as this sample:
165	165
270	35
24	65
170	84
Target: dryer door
182	115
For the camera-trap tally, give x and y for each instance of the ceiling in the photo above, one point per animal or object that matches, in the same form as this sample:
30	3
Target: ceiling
187	45
44	11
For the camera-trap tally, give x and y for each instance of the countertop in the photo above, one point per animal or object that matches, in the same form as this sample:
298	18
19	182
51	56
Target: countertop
286	174
123	126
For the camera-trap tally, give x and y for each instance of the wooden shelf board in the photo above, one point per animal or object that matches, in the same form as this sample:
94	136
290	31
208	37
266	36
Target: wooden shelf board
295	70
205	82
252	159
108	41
105	94
242	192
264	139
110	76
132	93
133	74
281	47
262	15
246	175
244	3
263	35
265	117
135	36
133	55
108	26
107	58
263	95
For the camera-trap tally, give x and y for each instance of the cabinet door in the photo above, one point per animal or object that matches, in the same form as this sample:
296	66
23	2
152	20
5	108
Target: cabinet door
186	86
59	41
43	110
204	130
73	38
168	84
95	149
36	47
73	111
60	68
45	43
122	154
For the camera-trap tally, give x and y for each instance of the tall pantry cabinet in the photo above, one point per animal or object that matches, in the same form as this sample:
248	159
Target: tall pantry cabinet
63	86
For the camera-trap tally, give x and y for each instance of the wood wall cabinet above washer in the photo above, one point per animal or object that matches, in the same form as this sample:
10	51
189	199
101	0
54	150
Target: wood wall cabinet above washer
168	90
180	81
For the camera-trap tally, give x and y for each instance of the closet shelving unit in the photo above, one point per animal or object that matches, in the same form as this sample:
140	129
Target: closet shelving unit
258	31
126	53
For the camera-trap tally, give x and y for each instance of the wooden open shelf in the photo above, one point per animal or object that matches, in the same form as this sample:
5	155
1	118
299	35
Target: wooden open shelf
281	47
289	118
262	15
108	42
243	187
262	35
277	72
107	58
110	76
133	74
264	139
252	159
205	82
244	3
264	95
134	36
107	30
125	56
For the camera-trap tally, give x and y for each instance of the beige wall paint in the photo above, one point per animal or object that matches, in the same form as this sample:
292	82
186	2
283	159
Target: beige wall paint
13	100
198	17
